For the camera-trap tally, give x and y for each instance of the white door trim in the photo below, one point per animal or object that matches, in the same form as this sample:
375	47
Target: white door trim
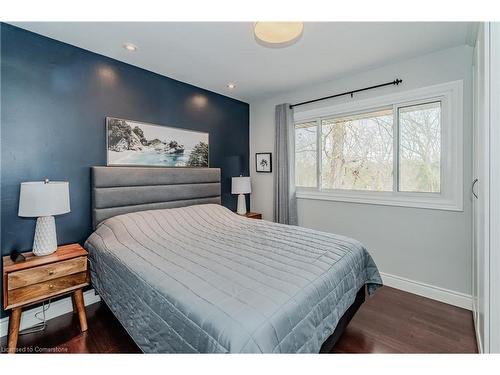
494	171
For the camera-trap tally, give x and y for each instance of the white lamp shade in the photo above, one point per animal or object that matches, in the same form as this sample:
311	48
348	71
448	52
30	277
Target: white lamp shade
240	185
43	199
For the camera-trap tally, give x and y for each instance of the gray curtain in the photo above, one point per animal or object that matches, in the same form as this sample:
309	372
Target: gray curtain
285	203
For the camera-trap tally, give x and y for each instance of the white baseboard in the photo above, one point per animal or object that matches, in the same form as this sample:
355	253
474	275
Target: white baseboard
430	291
56	309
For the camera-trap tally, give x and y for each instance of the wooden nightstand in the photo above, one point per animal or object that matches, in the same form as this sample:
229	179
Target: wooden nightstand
253	215
39	278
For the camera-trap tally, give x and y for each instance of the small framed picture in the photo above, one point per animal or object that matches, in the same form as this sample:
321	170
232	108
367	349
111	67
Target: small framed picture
264	162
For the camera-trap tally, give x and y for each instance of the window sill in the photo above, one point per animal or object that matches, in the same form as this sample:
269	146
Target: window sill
428	201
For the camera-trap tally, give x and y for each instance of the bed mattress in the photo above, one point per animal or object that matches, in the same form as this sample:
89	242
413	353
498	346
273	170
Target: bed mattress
201	279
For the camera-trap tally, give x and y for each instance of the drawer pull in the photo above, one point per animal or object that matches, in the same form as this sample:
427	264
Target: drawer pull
51	272
51	286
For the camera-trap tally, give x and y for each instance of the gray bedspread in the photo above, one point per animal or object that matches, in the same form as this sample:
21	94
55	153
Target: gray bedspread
203	279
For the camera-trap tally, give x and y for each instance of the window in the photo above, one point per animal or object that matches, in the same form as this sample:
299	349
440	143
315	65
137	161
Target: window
305	154
404	149
420	148
356	151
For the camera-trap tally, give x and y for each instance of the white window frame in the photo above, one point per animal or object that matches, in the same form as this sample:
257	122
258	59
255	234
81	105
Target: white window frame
450	197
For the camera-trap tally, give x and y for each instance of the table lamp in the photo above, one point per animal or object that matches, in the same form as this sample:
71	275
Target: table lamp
241	185
44	199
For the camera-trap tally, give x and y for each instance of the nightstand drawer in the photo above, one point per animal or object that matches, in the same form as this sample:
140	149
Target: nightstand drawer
253	215
46	289
20	279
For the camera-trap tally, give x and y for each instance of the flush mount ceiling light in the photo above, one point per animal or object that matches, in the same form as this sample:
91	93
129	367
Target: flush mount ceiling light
278	34
231	85
130	47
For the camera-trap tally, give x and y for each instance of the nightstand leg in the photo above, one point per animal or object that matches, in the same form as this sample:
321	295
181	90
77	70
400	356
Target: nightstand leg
14	322
73	303
80	307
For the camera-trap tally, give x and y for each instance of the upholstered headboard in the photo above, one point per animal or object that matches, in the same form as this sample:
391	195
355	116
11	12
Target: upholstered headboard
120	190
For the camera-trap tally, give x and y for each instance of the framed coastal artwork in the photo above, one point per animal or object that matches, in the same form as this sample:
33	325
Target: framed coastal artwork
134	143
263	162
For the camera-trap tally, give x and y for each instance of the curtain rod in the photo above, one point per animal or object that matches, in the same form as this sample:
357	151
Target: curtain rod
396	82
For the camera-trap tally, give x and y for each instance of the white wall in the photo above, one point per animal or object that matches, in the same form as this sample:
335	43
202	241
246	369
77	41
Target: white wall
428	246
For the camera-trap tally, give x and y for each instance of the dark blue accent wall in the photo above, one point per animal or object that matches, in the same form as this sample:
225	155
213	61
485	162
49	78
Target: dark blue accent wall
54	100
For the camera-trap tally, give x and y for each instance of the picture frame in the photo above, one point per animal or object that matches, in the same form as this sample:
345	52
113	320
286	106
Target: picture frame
141	144
264	162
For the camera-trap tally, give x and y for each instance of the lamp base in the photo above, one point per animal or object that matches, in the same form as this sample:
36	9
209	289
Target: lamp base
45	241
242	205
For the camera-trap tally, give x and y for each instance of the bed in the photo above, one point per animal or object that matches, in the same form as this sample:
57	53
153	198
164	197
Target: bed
184	274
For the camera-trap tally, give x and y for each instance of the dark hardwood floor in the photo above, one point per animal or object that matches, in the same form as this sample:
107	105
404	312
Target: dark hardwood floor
391	321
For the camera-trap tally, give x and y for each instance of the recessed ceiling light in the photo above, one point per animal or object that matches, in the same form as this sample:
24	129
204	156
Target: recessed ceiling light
278	34
130	47
231	85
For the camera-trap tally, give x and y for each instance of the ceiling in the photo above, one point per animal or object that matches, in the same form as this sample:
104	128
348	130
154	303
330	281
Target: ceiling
212	54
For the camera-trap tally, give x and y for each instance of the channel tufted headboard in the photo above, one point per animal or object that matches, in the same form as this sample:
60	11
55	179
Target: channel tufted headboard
120	190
